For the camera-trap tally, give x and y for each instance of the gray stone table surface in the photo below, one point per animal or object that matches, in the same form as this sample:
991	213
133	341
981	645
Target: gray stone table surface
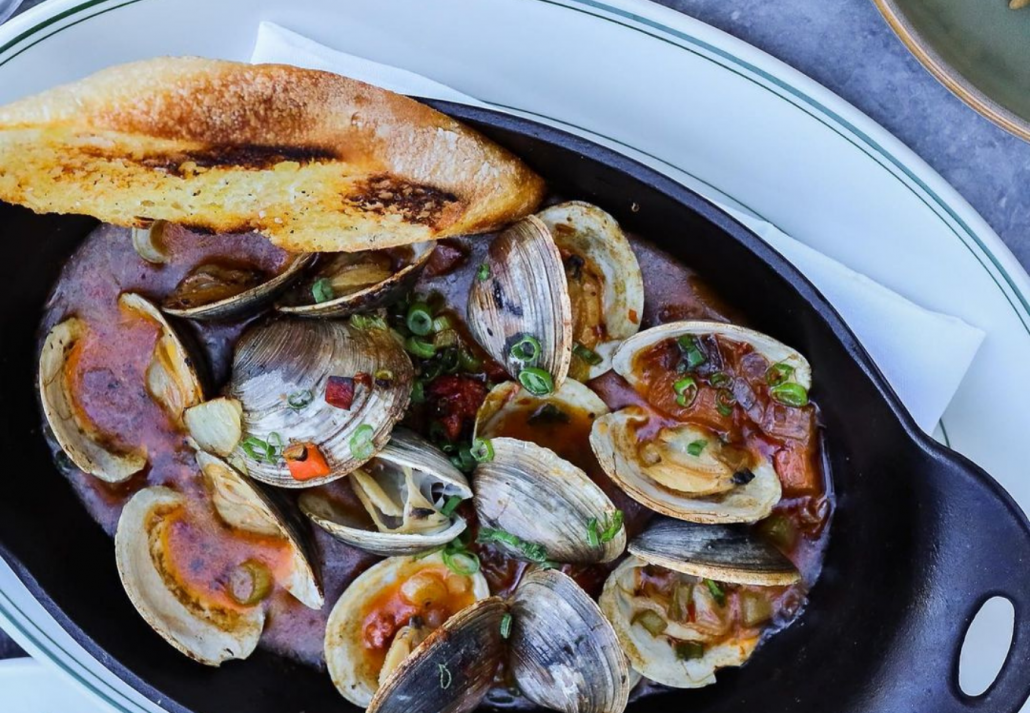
846	46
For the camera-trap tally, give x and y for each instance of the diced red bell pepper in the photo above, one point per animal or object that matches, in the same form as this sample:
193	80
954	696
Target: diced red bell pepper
305	461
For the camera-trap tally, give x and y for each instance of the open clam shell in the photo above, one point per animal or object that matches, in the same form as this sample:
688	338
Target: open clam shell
171	377
243	505
774	351
564	654
357	672
357	282
606	288
530	492
205	631
616	444
685	470
649	630
189	303
76	436
284	358
452	670
719	552
510	401
523	293
403	490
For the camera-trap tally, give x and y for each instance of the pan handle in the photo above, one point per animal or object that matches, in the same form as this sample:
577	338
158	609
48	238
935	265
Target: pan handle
980	548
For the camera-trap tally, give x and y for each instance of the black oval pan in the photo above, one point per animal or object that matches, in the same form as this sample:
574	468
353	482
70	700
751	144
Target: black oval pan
921	537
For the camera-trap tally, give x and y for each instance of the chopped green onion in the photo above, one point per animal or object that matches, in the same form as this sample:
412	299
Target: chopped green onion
652	622
299	399
536	381
464	461
778	374
262	450
468	361
679	607
718	379
322	290
506	626
692	354
686	391
450	506
724	401
446	338
790	394
445	676
418	392
361	445
600	532
688	650
696	447
779	530
419	319
367	321
529	550
526	350
442	324
716	592
419	347
586	354
450	361
463	563
483	273
482	450
250	583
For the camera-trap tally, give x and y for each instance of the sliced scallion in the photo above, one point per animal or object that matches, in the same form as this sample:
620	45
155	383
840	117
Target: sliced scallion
300	399
536	381
791	394
482	450
506	626
689	650
696	447
361	445
586	354
483	273
419	347
526	350
778	374
322	290
716	591
450	506
693	357
686	391
419	319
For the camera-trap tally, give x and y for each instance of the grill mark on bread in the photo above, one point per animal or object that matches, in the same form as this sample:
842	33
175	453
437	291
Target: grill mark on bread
417	203
247	156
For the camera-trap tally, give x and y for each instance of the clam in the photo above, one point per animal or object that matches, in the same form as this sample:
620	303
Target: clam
694	599
148	242
606	289
541	499
671	458
320	398
220	291
76	435
519	309
344	283
529	491
407	493
171	377
425	589
560	649
170	380
243	505
207	630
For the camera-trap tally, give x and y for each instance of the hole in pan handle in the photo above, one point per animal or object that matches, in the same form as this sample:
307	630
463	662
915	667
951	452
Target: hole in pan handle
979	542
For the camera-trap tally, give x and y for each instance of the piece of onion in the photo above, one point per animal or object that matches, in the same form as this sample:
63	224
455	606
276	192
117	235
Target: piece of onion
216	425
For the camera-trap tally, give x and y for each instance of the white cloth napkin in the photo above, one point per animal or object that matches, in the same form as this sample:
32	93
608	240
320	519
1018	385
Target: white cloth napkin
923	354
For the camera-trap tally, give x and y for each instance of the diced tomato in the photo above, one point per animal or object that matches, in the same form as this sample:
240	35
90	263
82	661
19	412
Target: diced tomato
305	461
380	628
799	475
454	400
339	392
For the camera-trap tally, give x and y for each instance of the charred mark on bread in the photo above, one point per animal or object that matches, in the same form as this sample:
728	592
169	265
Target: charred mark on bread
416	203
246	156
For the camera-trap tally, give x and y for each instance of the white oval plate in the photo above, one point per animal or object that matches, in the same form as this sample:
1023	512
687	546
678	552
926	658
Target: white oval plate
688	99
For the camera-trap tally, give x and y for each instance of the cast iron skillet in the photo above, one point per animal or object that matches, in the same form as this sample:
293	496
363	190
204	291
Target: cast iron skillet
921	538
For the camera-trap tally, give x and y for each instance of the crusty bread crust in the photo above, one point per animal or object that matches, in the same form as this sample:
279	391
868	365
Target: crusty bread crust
313	160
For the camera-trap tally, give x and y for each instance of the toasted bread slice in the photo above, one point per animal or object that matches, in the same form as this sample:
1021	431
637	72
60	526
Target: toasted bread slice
315	161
